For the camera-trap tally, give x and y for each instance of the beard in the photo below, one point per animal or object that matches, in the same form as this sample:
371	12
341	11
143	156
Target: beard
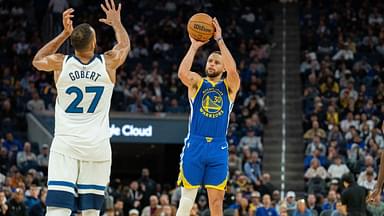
213	74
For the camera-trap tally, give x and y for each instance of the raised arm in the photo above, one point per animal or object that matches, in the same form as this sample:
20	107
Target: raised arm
233	78
46	59
116	57
187	77
380	181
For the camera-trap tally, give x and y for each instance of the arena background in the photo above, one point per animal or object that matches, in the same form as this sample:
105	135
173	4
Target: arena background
312	92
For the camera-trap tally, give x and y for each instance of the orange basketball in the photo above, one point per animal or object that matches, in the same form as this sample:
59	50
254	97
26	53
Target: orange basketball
200	27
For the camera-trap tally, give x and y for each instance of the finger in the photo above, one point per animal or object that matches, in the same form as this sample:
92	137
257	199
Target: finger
119	8
103	8
69	10
107	5
113	5
103	21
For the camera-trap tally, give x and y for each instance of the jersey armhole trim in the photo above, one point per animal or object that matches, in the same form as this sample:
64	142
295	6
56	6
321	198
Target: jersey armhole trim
102	60
227	87
198	89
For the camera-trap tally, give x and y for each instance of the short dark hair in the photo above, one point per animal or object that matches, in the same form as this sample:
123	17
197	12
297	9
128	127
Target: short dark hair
348	177
81	37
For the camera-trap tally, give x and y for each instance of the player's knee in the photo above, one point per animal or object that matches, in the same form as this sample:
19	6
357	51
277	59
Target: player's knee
216	202
55	211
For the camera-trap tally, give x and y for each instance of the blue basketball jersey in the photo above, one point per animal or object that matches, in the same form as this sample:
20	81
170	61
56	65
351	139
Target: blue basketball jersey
210	110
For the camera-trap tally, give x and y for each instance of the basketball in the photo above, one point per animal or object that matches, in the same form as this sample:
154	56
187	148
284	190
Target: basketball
200	27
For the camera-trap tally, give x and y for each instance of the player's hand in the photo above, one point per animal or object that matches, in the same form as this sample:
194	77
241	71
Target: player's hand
374	194
113	14
67	22
197	44
217	35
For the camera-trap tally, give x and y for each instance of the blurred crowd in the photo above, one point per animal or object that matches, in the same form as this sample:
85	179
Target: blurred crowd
146	83
342	72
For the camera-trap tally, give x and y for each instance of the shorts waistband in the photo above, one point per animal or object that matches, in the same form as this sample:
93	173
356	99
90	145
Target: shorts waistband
208	138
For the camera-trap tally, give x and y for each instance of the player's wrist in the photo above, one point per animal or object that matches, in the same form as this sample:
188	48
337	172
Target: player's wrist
194	47
218	39
66	33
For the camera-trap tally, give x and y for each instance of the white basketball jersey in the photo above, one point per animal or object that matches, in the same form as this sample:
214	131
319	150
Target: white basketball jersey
83	101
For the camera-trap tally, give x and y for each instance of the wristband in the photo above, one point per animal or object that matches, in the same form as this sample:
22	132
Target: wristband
218	39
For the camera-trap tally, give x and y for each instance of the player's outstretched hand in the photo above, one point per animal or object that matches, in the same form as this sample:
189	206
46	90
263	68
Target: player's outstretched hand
374	194
67	22
113	14
217	35
197	44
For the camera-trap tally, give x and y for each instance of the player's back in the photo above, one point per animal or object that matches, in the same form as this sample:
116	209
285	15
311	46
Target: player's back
84	94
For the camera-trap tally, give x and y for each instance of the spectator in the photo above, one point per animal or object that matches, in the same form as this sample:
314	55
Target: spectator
290	200
36	105
12	144
33	197
26	159
315	131
315	144
16	206
266	186
255	203
252	141
148	183
266	209
164	202
301	209
312	204
234	161
337	169
133	212
39	209
133	197
315	171
339	210
43	158
369	183
252	168
353	198
363	175
174	107
118	208
330	203
348	122
377	207
153	207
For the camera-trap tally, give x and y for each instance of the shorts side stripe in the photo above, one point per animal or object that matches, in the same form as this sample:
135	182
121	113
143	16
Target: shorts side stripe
61	183
90	187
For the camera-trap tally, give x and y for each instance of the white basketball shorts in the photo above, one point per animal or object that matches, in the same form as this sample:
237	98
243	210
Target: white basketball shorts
76	184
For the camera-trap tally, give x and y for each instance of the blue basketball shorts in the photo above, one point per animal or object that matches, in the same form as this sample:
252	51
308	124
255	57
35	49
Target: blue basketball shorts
204	162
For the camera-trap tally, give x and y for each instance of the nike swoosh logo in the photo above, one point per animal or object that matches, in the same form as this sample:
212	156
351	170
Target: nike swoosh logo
223	147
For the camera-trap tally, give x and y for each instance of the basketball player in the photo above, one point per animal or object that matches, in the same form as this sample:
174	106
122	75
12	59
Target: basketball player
204	160
380	180
80	157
